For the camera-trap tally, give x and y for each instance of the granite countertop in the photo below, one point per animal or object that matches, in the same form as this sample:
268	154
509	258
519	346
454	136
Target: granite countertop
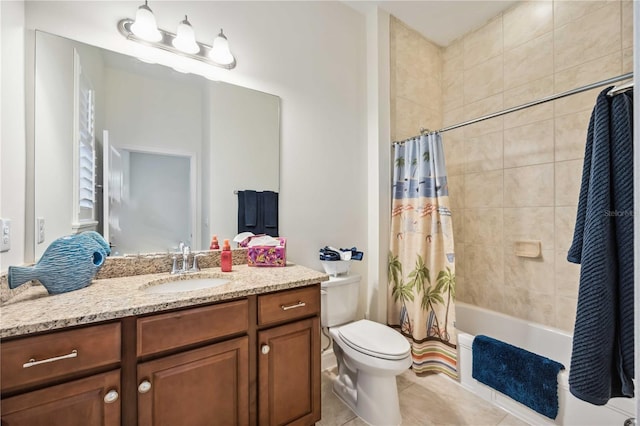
34	310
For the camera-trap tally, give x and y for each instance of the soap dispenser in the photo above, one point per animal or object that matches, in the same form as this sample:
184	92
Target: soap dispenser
225	257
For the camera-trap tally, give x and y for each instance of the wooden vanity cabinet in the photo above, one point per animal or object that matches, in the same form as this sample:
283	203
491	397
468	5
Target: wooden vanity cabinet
289	357
207	385
60	378
94	400
249	361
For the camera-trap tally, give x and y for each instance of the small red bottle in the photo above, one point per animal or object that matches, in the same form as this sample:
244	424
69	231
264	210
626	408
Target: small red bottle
214	243
225	257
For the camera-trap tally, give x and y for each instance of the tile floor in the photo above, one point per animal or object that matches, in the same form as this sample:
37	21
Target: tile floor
431	400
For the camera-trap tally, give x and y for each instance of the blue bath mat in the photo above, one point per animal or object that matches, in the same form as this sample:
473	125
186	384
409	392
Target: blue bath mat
526	377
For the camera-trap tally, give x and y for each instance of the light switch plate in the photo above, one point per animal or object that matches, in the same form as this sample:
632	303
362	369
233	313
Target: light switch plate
5	235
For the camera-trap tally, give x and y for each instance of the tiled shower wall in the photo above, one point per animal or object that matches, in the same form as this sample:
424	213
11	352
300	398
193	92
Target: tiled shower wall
514	177
416	81
517	177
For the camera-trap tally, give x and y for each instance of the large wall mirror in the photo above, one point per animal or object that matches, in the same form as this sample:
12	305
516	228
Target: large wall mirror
146	155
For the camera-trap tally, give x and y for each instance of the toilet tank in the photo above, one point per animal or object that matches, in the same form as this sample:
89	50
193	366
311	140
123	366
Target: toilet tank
339	300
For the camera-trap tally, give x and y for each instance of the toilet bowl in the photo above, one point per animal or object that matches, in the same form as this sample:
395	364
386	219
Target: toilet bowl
369	355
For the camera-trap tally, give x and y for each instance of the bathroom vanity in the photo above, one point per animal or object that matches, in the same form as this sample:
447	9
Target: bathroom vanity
247	352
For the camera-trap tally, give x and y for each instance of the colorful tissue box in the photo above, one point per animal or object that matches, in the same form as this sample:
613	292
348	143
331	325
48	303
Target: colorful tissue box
268	255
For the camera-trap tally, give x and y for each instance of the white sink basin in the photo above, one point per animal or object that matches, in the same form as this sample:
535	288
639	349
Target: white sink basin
185	285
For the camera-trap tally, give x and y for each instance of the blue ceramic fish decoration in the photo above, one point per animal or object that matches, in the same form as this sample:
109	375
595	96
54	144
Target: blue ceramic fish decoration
68	264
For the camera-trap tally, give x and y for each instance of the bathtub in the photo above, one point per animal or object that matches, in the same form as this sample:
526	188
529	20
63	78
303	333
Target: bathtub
546	341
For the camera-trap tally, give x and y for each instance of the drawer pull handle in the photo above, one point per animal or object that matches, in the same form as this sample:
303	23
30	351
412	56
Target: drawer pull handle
265	349
297	305
144	387
111	396
32	362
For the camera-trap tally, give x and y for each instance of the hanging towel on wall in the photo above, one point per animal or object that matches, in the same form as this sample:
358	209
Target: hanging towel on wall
270	209
258	212
602	357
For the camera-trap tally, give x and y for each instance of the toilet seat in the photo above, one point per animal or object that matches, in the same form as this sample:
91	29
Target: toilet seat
374	339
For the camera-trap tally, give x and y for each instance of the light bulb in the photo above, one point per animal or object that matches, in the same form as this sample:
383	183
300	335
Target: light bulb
220	52
185	39
145	26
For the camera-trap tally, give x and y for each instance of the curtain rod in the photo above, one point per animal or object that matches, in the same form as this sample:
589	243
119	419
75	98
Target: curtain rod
534	103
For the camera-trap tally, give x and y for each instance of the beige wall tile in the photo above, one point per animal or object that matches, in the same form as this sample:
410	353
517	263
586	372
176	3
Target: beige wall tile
529	144
529	273
409	118
598	31
483	153
484	79
459	250
576	103
461	290
564	225
566	313
453	83
483	226
529	223
456	191
589	72
487	264
458	227
567	11
525	21
518	302
530	186
453	116
627	23
544	313
483	43
571	135
477	109
454	153
483	189
430	58
528	62
529	92
455	48
432	119
568	175
567	275
411	85
627	60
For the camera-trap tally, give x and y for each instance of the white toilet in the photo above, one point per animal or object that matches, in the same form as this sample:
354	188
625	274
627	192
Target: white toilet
370	355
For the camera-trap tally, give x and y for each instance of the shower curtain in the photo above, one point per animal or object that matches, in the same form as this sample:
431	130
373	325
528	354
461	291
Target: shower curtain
421	268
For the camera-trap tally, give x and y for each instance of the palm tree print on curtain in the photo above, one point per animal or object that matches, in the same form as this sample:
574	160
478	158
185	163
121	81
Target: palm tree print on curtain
421	266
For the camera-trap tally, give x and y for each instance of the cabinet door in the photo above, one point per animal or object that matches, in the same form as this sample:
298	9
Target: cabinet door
206	386
93	401
289	373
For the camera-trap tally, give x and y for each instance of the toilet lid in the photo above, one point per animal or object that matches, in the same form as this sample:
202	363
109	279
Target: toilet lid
375	339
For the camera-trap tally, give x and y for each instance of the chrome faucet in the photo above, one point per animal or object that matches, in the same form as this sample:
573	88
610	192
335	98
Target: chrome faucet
186	251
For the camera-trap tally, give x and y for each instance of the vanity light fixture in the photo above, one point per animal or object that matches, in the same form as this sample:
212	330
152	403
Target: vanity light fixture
144	30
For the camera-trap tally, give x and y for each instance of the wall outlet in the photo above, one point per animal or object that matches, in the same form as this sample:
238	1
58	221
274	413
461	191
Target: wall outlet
5	235
40	229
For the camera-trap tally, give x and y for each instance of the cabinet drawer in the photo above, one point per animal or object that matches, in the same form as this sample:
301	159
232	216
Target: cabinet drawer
41	359
172	330
288	305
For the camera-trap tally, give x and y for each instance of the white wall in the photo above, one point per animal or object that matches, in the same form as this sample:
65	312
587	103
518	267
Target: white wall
311	55
12	142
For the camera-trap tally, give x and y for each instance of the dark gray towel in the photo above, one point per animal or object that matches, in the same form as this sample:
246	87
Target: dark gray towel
270	209
258	215
250	208
602	357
